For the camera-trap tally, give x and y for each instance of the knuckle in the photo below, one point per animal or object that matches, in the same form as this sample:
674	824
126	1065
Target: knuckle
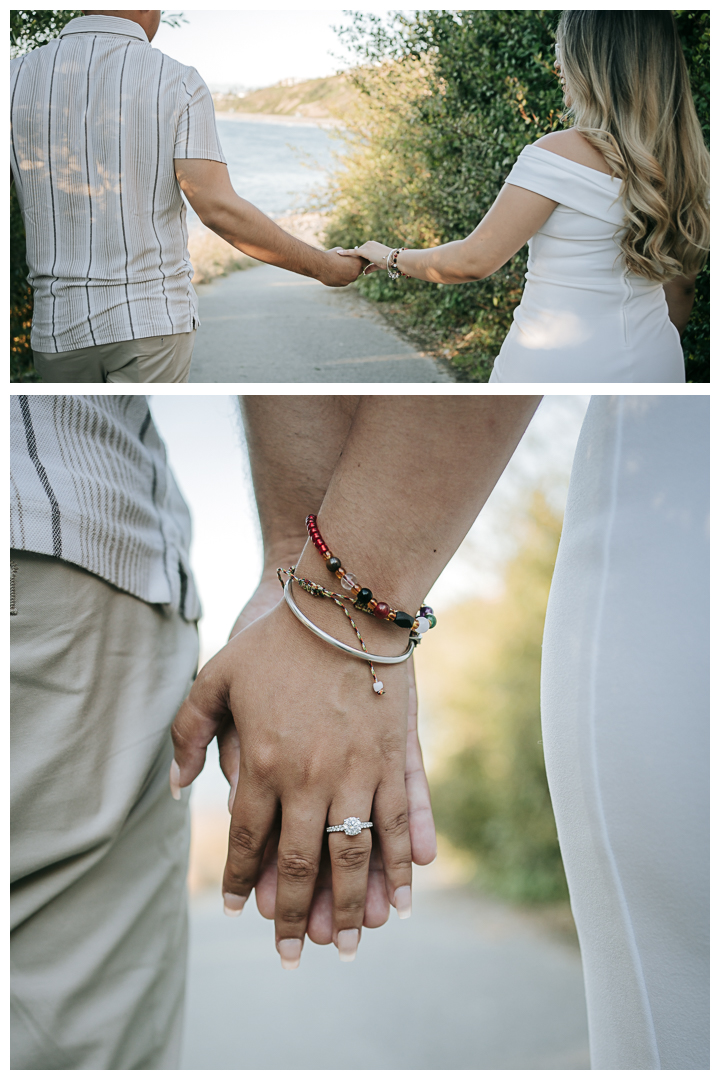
392	744
398	863
351	908
261	766
244	841
351	858
292	916
395	824
179	732
297	867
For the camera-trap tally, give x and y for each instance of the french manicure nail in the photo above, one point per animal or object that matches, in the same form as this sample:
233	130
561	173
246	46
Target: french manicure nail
232	904
403	902
348	944
290	949
175	780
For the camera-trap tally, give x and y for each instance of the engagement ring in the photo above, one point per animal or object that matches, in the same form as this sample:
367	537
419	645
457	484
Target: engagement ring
351	826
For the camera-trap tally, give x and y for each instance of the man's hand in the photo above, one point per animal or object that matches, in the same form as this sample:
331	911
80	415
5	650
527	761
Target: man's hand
317	746
341	270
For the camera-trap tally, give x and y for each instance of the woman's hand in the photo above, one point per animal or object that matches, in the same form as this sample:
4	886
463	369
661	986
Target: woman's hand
422	840
421	823
317	746
375	253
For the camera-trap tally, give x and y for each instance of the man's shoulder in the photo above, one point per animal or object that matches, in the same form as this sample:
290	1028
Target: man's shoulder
34	56
173	68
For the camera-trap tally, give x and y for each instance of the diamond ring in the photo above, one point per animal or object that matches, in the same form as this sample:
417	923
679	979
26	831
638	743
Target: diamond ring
351	826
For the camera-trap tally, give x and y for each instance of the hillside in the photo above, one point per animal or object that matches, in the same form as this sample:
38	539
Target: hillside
315	99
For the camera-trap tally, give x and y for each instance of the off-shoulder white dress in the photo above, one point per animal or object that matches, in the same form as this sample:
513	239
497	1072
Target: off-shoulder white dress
626	732
583	317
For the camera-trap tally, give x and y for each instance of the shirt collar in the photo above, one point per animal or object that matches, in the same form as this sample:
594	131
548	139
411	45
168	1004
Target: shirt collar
104	24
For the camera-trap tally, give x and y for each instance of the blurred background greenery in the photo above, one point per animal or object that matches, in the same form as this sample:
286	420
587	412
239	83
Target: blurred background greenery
479	681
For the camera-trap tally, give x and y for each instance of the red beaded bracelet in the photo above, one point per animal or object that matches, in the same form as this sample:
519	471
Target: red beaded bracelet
362	597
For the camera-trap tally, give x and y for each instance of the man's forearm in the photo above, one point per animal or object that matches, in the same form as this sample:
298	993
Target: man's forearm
249	230
294	443
207	187
413	475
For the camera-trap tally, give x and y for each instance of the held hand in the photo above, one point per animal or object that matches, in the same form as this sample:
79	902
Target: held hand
317	746
375	253
339	272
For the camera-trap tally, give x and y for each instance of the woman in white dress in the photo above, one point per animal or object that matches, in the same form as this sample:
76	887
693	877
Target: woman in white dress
625	711
615	212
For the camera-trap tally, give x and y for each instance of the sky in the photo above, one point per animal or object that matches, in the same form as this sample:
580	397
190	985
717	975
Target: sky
255	48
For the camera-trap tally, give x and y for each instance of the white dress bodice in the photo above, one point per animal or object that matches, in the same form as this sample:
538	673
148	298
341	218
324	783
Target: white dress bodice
583	316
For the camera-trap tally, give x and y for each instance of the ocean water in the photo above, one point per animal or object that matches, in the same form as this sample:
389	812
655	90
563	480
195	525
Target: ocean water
276	166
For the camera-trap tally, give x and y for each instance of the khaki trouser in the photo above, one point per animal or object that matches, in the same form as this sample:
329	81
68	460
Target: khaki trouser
151	359
99	847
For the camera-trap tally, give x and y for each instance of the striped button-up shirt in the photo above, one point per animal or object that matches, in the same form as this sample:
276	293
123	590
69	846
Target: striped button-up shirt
90	484
97	117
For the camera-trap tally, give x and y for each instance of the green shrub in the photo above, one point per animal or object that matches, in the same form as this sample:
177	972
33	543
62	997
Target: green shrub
694	30
480	683
21	305
451	98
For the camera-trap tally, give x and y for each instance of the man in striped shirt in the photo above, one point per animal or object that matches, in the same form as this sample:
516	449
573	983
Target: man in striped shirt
106	133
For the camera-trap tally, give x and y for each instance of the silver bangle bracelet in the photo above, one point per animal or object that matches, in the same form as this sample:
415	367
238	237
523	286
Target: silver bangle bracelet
288	597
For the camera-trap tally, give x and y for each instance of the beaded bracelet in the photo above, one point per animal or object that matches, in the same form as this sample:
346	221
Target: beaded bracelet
362	597
394	272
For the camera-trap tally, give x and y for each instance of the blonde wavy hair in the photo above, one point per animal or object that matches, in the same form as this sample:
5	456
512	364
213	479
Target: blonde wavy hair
629	95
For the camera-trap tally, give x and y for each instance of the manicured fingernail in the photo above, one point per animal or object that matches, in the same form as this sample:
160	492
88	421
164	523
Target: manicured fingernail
348	944
231	797
403	902
175	780
232	904
290	949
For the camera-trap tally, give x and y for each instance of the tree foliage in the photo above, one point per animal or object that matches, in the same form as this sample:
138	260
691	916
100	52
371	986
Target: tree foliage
694	29
480	683
451	98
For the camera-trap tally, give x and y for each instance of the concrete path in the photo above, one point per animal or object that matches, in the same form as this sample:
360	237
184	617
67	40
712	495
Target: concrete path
268	325
467	983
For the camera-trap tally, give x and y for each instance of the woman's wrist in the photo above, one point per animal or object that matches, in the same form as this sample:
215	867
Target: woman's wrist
380	636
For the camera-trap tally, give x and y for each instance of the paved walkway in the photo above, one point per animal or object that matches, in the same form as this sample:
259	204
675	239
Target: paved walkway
467	983
268	325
